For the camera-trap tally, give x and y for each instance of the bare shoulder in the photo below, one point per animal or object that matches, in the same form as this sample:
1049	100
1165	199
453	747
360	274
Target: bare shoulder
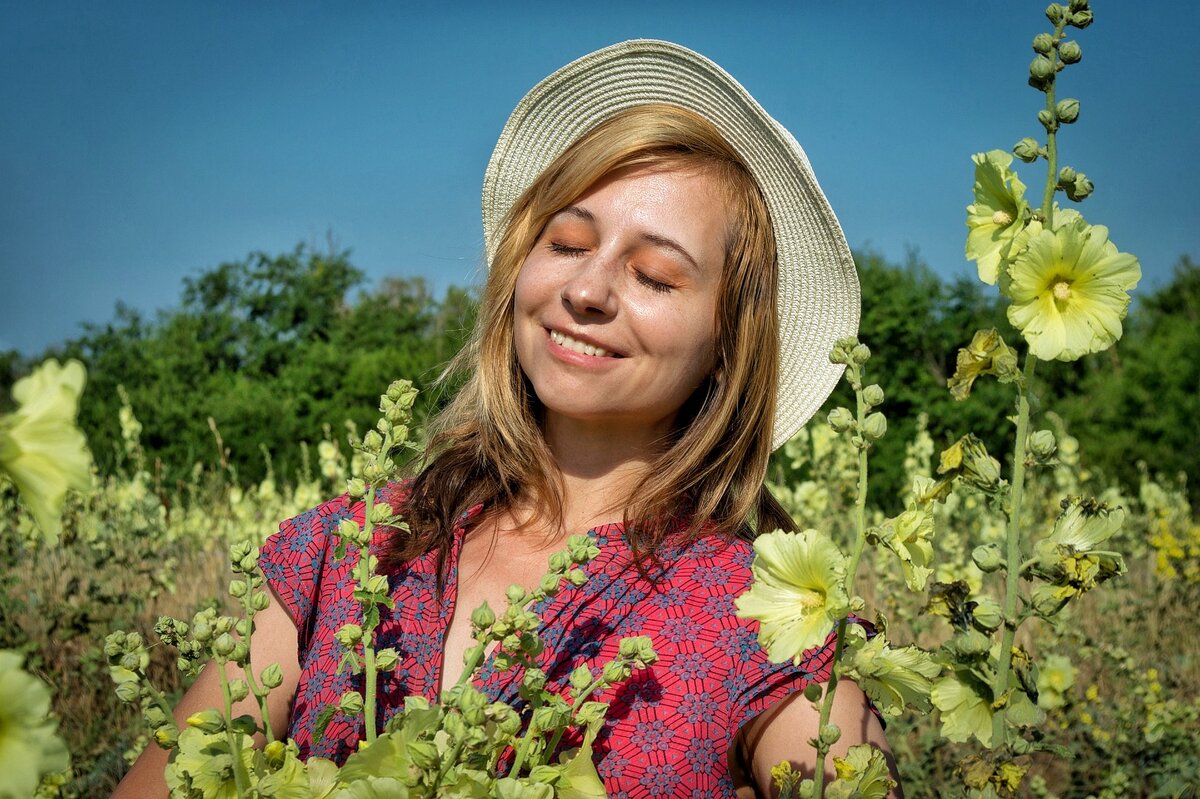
783	731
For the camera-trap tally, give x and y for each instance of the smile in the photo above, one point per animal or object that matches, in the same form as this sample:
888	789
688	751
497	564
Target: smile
563	340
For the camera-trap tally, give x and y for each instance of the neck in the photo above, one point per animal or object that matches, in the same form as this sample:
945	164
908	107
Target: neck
600	465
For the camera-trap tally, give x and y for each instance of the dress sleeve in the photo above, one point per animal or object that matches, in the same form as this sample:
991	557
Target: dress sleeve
297	561
764	683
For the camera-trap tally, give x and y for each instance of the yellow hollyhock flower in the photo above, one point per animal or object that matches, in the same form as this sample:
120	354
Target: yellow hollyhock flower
909	537
1070	291
29	743
1055	677
966	707
798	593
997	215
41	449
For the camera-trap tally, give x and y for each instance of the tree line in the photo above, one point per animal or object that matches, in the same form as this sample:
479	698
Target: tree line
277	349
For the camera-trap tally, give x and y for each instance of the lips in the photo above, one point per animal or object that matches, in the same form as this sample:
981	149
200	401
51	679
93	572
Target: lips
580	346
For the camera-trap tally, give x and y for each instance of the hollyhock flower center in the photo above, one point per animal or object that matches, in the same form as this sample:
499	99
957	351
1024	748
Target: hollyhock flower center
1002	218
810	599
1062	291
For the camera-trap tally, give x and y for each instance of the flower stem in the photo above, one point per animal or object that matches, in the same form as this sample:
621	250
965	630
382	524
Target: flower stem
240	779
860	540
364	577
1013	536
1051	143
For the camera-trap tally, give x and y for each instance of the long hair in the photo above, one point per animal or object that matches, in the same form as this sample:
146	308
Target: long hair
486	447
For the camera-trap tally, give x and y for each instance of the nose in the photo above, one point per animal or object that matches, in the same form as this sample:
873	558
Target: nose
590	290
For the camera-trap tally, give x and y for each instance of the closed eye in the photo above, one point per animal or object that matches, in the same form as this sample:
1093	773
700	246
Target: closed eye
652	284
566	249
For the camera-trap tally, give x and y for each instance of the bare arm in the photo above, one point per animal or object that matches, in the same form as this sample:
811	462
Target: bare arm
274	641
782	733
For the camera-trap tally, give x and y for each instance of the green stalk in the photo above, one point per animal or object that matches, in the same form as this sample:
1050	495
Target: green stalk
860	540
240	778
259	695
364	576
1051	143
1013	536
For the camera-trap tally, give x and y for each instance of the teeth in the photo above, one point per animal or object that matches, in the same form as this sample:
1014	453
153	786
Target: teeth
577	346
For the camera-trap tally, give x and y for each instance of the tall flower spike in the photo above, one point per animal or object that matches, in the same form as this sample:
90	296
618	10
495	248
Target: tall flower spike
1070	291
997	214
798	592
41	449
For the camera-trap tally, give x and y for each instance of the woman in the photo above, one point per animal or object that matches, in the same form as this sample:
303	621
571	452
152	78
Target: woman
665	283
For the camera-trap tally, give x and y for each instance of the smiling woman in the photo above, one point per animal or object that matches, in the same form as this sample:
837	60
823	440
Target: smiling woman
666	282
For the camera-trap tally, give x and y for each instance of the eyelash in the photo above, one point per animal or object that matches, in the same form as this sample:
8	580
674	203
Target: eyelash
656	286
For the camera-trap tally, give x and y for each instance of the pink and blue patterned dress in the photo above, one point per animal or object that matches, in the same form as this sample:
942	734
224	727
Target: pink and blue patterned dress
668	728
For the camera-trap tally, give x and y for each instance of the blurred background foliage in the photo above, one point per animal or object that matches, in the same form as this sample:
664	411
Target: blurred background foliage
275	348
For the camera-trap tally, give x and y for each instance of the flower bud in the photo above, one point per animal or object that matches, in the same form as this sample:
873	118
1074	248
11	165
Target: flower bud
1054	13
987	557
515	595
971	643
1080	19
274	753
1047	119
812	692
841	419
349	529
1067	111
549	584
1070	52
614	671
387	659
1026	149
223	646
1041	69
1043	43
875	426
381	513
272	676
873	395
830	733
1042	445
1078	5
987	613
581	677
860	354
378	584
260	600
237	588
1066	176
238	690
1079	189
483	617
209	721
166	737
356	488
577	577
372	441
351	703
128	691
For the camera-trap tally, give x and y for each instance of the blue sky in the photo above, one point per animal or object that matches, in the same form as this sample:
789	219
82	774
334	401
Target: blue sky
144	142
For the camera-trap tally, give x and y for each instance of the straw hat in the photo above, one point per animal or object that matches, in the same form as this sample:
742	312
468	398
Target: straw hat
818	287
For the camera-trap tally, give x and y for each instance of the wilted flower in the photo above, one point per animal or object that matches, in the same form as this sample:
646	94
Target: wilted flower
1070	291
997	214
1086	523
966	706
894	678
29	743
861	774
41	449
798	592
968	460
987	354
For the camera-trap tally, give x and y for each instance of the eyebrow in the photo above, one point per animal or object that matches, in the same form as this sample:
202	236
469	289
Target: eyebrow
650	238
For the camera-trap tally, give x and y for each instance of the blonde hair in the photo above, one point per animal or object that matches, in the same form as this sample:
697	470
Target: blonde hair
486	447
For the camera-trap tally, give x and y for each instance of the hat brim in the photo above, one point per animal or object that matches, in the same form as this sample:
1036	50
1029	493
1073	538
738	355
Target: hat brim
818	294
